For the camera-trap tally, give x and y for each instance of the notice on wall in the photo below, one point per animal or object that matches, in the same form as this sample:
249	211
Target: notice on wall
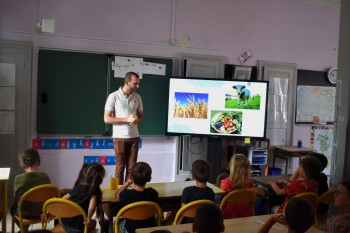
7	122
322	141
7	98
123	65
7	74
315	104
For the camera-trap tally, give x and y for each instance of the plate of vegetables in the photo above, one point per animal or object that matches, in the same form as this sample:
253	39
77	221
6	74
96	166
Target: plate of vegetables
226	122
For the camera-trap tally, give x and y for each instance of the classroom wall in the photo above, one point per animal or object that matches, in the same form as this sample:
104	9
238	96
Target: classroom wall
63	165
275	30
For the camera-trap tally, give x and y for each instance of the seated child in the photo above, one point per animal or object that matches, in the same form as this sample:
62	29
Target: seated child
208	218
309	168
239	178
86	193
298	216
201	172
340	223
220	177
141	173
322	180
30	161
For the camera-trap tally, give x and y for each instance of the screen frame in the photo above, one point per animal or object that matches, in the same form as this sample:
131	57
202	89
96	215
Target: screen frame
227	136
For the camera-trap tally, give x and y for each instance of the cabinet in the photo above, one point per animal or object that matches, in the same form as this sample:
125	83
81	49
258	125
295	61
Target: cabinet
234	146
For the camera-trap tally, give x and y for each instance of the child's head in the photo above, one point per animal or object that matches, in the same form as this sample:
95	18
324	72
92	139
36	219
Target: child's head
29	158
299	215
220	177
93	174
310	167
201	170
208	218
82	173
342	196
322	158
239	171
141	173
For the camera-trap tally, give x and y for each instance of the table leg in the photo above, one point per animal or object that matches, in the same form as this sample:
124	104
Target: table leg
4	204
106	209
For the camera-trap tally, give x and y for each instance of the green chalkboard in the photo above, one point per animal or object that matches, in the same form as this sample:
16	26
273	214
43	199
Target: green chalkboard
72	90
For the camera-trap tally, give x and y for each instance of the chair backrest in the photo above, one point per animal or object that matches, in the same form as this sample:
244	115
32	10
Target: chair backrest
239	197
140	210
39	194
62	208
327	197
309	196
312	198
189	210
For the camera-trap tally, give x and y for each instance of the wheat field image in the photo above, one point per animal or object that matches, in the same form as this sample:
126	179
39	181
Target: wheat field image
191	105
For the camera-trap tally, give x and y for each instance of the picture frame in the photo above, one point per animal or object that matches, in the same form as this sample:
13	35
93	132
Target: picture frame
242	72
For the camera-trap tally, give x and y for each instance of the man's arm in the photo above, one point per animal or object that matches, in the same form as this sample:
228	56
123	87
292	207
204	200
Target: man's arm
110	119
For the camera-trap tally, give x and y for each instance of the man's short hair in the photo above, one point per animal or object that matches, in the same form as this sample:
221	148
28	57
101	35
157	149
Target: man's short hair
141	173
208	218
299	214
129	75
201	170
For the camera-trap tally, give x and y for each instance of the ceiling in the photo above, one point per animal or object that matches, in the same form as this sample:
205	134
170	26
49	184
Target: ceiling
322	3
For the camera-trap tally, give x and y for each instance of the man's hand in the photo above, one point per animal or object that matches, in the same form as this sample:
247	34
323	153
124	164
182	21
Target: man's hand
132	119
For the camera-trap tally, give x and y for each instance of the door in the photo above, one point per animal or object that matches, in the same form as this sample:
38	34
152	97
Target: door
190	149
281	102
15	103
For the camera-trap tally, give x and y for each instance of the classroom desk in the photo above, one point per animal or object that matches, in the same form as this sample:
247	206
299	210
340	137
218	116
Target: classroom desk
286	152
167	191
261	182
4	177
266	192
246	225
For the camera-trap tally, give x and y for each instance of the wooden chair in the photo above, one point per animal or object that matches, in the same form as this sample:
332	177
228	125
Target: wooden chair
239	197
328	199
61	208
139	211
189	210
38	194
312	198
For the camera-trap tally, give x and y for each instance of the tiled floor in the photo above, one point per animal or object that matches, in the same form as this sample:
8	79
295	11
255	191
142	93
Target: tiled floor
32	227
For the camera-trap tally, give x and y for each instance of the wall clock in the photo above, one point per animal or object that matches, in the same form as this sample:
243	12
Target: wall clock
332	75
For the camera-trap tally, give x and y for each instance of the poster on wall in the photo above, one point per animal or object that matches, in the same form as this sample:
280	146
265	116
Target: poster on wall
315	104
322	142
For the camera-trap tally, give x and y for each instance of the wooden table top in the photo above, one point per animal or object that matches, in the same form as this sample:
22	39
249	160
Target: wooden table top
246	225
294	149
264	180
166	190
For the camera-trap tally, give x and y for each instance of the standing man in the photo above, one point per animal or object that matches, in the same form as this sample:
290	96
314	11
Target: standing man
124	109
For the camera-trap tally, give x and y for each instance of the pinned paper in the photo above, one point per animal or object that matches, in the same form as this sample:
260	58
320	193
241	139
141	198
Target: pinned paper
152	68
247	140
123	65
